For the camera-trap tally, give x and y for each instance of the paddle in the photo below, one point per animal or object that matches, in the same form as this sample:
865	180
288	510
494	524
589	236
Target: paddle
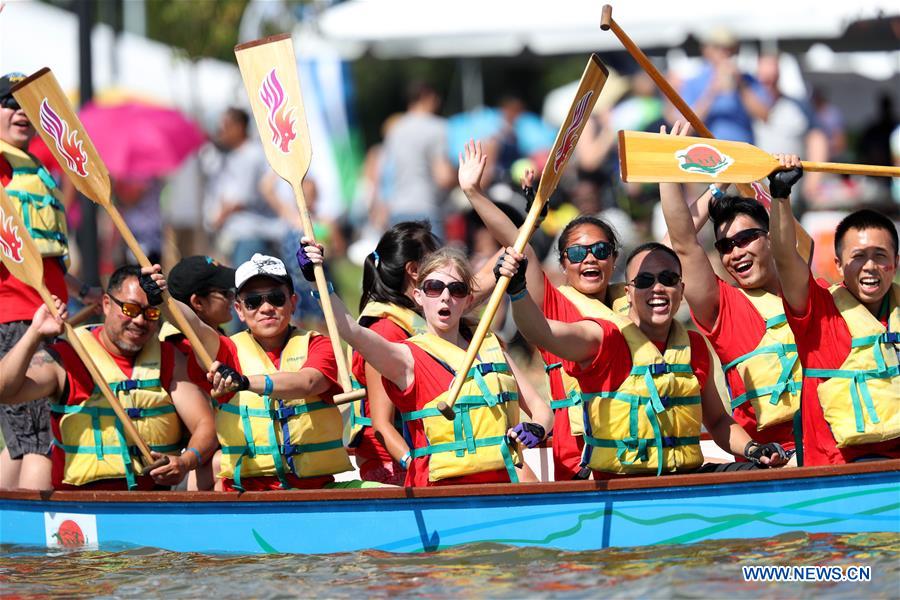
676	159
592	81
757	190
82	315
20	255
269	69
49	110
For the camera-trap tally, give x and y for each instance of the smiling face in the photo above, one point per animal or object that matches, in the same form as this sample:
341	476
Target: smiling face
127	334
591	276
868	264
752	266
15	128
654	306
443	312
267	321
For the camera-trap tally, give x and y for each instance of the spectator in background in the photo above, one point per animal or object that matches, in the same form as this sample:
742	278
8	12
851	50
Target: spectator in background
723	97
831	120
238	216
416	150
874	146
139	203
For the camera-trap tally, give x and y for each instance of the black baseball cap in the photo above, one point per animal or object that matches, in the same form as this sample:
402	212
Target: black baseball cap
8	81
198	274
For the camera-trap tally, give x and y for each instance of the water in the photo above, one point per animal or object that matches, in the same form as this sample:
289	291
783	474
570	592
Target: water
705	570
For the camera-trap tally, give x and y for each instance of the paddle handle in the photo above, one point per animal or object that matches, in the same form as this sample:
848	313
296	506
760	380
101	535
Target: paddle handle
850	169
348	397
170	308
325	299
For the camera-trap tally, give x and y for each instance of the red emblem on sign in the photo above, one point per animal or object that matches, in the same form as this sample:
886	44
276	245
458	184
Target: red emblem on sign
68	144
69	534
10	242
570	138
280	118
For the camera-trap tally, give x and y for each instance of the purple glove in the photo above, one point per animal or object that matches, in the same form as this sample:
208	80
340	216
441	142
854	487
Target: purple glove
529	434
306	265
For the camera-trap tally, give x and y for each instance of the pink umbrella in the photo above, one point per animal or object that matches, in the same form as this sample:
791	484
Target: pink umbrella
140	141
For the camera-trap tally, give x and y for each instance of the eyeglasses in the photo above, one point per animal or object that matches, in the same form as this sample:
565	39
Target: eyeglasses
254	301
433	288
578	252
741	239
645	280
9	102
133	310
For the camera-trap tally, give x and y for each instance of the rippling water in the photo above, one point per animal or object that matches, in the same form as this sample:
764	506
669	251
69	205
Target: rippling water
705	570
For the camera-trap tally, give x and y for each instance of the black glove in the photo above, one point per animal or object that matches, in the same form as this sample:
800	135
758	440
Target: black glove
517	281
242	380
754	451
151	288
781	182
528	192
307	268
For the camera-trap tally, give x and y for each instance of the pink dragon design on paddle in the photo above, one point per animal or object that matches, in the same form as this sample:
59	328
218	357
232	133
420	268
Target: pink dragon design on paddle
68	144
280	118
571	136
762	195
10	242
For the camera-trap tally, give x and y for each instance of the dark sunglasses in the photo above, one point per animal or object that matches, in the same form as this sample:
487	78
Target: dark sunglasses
433	288
254	301
645	280
9	102
741	239
578	252
227	294
133	310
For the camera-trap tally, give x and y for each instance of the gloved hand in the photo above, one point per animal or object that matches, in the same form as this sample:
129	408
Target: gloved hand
529	434
754	452
528	192
781	182
306	265
150	287
242	381
517	281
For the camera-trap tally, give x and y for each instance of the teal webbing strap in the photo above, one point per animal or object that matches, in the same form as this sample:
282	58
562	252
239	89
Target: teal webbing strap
39	201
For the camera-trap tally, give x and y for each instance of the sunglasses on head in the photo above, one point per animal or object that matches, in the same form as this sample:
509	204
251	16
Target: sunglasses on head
645	280
133	310
9	102
433	288
741	239
578	252
254	301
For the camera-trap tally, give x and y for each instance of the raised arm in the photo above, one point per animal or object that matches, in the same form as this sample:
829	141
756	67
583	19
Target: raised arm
27	373
793	272
209	337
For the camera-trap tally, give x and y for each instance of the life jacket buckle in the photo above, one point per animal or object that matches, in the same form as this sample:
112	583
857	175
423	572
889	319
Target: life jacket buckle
486	368
134	413
289	449
664	400
128	386
890	337
285	412
659	369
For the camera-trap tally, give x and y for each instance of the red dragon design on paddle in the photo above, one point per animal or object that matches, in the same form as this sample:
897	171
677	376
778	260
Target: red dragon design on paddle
702	158
570	138
281	119
10	242
68	144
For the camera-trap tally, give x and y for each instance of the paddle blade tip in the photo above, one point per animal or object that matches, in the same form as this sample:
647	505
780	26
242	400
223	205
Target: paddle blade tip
446	410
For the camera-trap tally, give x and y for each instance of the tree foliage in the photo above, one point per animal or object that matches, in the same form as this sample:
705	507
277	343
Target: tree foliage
202	28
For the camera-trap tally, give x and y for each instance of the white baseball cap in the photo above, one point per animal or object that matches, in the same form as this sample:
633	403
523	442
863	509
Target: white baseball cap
261	265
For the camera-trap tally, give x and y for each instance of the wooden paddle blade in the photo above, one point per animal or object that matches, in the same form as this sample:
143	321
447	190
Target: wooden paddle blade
17	250
655	157
269	69
592	81
49	110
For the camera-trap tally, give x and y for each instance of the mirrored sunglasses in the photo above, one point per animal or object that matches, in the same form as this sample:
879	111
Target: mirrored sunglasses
433	288
133	310
578	252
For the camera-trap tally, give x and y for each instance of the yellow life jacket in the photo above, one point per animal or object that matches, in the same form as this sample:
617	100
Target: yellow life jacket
652	422
266	436
588	307
167	330
861	399
409	321
488	405
93	439
771	373
40	202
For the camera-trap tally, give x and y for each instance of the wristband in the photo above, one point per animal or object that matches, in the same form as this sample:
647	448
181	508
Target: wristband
196	453
717	194
315	293
405	460
519	295
269	386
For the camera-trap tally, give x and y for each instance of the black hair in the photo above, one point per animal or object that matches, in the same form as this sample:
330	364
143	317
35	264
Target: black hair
474	222
863	219
417	90
725	209
653	247
120	275
239	116
586	220
384	276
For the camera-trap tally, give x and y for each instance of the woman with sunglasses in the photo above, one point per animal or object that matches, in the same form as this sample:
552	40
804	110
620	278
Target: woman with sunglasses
416	374
587	249
646	381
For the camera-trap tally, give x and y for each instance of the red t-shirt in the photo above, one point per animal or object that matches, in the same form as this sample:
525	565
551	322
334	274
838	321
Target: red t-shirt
823	342
369	446
737	331
320	357
430	380
79	387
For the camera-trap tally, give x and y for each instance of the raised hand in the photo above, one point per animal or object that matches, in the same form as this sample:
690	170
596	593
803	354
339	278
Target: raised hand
45	324
679	127
512	264
315	253
153	283
471	166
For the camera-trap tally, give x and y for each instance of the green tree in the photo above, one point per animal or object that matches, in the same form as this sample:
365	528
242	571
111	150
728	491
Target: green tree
202	28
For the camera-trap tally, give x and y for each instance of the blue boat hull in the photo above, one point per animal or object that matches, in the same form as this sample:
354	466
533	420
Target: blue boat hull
567	516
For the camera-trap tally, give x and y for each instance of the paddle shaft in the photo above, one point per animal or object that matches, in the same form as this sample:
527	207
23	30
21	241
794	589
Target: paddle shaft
82	315
850	169
804	242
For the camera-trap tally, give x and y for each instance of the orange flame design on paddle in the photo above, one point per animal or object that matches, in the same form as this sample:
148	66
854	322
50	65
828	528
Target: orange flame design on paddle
280	118
10	242
571	136
68	144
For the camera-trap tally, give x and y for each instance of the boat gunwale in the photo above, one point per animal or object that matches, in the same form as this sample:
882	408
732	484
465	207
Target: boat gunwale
472	490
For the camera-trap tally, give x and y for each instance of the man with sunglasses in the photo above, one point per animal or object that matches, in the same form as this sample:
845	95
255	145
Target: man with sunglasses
149	378
277	424
848	335
24	463
745	322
